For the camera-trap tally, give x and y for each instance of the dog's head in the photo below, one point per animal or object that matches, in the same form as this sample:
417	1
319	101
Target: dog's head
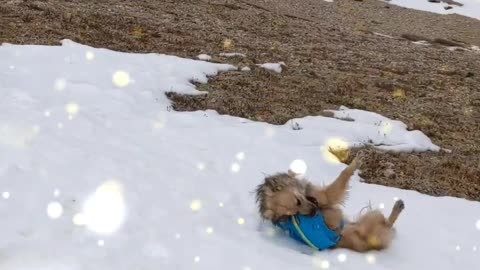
281	196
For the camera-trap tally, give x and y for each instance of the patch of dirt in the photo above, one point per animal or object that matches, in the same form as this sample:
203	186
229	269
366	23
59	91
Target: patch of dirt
334	56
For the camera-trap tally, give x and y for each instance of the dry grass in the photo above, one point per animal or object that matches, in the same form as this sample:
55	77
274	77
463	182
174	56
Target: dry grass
333	58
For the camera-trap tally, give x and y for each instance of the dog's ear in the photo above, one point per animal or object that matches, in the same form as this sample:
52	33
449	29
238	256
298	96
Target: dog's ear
269	214
291	173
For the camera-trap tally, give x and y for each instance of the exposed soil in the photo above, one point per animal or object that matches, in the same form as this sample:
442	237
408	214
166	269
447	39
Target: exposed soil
354	53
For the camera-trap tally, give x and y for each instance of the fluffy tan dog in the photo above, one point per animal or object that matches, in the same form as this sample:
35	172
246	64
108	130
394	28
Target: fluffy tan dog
283	195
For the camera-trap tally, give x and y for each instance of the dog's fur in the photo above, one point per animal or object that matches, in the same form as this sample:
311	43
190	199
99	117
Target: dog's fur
283	195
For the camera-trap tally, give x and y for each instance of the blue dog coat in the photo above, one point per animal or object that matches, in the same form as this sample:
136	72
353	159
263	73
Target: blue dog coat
311	231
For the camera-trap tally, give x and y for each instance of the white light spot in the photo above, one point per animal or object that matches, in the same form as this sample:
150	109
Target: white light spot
100	243
386	127
79	219
36	129
158	125
6	195
395	198
235	167
195	205
247	268
54	210
271	232
371	259
56	192
220	204
59	84
72	109
474	248
269	132
160	121
342	257
104	211
201	166
60	125
196	259
319	262
298	167
325	264
227	43
240	156
381	206
47	113
12	67
477	224
457	248
89	55
177	236
121	78
209	230
241	221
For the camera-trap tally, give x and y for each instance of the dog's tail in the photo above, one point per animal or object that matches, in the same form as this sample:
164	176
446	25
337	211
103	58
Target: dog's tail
337	191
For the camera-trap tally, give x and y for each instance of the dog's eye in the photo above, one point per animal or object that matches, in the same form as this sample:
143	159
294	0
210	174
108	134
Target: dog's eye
299	202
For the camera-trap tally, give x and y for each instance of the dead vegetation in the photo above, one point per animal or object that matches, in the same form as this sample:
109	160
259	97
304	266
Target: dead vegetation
333	58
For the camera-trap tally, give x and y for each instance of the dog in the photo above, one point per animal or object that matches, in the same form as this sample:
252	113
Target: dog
313	214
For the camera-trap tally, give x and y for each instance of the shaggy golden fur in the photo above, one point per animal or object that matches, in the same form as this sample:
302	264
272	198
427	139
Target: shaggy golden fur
283	195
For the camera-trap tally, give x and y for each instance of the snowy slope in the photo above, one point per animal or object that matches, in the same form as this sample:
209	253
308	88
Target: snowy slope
96	172
470	8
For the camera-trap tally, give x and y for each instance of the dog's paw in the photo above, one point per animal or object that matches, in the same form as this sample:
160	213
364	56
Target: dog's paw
357	162
400	205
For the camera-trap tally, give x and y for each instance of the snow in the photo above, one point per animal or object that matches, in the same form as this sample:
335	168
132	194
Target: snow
382	35
234	54
422	42
127	183
246	69
276	67
470	8
204	57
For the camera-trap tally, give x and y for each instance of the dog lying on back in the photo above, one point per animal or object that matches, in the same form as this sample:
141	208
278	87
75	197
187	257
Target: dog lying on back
296	205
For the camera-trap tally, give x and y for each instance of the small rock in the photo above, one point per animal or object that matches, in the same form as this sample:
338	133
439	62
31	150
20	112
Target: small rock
389	173
389	164
434	1
447	7
67	16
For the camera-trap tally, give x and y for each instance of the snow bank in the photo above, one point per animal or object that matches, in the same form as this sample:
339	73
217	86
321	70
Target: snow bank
470	8
97	172
276	67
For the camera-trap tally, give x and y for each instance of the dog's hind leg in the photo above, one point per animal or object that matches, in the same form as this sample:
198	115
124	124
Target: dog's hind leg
353	240
396	210
372	231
